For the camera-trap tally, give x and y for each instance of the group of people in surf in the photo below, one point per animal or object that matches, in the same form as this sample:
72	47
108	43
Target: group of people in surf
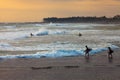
87	52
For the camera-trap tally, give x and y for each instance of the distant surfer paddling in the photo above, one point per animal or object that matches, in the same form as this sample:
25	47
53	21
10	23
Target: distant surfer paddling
80	34
31	34
87	50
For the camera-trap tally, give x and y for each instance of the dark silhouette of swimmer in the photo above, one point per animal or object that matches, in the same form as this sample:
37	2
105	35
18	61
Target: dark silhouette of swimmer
110	51
31	34
87	51
80	34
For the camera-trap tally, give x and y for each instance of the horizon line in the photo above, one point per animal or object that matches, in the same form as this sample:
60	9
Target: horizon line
53	17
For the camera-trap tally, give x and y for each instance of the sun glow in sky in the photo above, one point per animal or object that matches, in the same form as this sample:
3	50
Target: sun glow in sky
36	10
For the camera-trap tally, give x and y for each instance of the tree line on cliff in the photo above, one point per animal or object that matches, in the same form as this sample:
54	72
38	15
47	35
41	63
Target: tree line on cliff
89	19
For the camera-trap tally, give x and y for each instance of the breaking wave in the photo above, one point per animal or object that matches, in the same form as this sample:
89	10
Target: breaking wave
44	31
57	53
81	25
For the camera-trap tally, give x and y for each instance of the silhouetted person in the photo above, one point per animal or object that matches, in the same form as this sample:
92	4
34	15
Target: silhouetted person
110	51
80	34
31	34
87	51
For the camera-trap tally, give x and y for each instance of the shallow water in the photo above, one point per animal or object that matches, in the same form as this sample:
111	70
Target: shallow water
56	40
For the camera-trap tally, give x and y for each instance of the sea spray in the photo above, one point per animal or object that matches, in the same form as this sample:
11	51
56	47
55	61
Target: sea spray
44	31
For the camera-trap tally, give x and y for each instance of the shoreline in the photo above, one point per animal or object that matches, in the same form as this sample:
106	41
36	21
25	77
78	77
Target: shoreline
97	67
52	54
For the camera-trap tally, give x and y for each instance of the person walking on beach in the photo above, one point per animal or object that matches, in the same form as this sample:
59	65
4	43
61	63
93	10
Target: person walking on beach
87	50
110	51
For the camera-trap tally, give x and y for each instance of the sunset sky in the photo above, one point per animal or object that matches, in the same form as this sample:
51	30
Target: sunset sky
35	10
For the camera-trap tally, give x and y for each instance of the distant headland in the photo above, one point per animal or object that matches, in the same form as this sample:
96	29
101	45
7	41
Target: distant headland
89	19
79	19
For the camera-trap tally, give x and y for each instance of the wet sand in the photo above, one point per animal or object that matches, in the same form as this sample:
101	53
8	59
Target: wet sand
96	67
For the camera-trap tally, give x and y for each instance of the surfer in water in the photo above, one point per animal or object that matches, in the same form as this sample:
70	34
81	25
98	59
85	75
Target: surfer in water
80	34
87	50
31	34
110	51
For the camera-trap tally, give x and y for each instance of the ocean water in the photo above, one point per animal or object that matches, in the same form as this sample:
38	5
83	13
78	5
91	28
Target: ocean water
56	39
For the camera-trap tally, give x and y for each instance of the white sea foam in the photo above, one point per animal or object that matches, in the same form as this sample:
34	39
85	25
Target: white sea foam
9	35
57	24
38	25
10	27
49	32
2	44
57	53
52	46
99	39
16	32
44	31
13	35
75	25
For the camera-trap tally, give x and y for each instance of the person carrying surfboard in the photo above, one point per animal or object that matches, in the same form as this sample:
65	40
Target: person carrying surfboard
87	50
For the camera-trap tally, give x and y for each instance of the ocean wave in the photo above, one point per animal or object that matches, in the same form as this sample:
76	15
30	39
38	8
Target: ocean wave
51	25
14	35
57	53
9	27
44	31
57	45
72	25
4	45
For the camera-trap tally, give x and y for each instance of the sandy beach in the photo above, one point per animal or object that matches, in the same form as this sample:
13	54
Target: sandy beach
59	39
97	67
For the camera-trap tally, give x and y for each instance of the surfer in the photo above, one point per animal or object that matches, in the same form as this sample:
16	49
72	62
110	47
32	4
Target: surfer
87	51
31	34
80	34
110	51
